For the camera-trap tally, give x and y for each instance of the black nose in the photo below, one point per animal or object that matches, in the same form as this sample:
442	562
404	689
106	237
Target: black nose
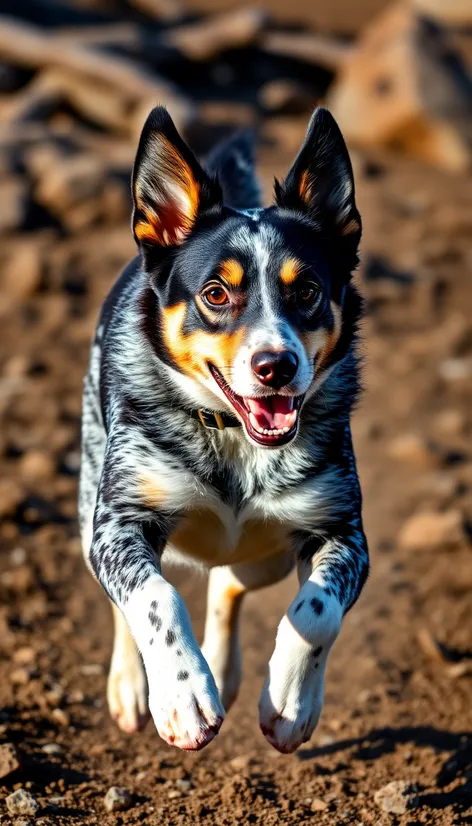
275	369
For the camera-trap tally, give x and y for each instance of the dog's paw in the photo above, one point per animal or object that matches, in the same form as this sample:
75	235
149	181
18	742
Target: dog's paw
292	696
186	707
127	693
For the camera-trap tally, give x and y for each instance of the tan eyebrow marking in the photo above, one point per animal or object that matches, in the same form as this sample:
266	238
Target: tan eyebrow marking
291	269
232	272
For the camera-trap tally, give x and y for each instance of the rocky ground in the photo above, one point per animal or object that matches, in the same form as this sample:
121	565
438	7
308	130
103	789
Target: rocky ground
398	696
399	688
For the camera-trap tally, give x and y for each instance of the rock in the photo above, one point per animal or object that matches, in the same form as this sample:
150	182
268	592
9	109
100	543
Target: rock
397	797
429	529
318	805
451	422
36	465
117	799
183	784
60	717
23	270
456	369
14	199
174	794
24	655
19	580
91	669
412	450
9	759
10	497
22	802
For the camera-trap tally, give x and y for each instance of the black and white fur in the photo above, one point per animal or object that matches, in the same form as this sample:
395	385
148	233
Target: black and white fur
137	424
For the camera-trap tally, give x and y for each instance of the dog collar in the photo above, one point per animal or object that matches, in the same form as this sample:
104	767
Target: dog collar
215	420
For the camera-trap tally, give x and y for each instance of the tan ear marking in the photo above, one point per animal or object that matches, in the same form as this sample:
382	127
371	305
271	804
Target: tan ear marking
351	228
305	186
169	184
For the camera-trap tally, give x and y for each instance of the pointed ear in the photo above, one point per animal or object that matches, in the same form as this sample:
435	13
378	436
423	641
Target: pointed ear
320	182
170	188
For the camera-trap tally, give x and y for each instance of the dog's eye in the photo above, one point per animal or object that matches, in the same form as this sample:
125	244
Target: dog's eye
216	296
308	293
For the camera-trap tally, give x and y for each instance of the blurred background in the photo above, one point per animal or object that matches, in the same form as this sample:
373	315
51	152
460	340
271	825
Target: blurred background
77	80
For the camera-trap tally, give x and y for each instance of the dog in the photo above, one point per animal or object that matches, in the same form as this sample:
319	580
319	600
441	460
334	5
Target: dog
216	430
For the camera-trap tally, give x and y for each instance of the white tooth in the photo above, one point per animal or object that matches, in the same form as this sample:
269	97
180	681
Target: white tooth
254	423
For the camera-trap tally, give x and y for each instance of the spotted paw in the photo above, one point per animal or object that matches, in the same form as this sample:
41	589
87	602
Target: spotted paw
186	708
292	696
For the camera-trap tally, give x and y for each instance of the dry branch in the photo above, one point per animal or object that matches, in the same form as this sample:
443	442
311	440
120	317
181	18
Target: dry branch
311	48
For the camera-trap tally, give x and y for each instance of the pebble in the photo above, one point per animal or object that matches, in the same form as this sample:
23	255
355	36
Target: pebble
9	759
174	793
61	717
183	784
91	669
117	799
51	748
10	496
24	655
455	369
397	797
22	802
450	422
430	529
412	450
318	805
18	556
37	465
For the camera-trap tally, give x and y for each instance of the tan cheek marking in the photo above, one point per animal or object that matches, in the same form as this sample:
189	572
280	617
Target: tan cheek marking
150	493
232	272
192	351
320	344
331	338
290	270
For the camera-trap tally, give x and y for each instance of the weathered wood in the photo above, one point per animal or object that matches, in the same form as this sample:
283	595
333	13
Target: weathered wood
206	38
26	45
399	87
327	52
447	12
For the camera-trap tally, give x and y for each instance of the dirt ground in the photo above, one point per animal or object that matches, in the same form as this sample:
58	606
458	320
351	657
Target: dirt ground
399	684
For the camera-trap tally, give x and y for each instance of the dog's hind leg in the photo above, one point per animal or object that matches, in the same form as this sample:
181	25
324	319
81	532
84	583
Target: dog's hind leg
127	689
226	589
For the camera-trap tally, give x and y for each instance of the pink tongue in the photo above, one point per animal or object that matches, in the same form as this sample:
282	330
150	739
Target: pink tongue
273	412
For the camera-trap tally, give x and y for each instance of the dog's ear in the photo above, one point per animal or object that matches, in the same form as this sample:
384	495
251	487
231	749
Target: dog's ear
320	182
170	188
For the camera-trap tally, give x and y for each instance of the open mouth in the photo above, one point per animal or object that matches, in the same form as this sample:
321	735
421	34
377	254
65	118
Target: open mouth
271	421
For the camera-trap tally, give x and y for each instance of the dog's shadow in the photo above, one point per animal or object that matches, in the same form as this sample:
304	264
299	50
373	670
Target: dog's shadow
457	766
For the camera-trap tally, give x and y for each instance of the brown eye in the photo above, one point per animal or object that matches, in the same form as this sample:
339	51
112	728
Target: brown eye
216	296
308	293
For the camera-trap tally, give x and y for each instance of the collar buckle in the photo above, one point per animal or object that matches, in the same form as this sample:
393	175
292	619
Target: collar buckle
211	420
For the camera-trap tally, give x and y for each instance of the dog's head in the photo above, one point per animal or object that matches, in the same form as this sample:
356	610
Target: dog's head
251	308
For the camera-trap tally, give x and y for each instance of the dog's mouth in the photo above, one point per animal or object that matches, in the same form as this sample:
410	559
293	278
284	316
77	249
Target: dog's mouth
271	421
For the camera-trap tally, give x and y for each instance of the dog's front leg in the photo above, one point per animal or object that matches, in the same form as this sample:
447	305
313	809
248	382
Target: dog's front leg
332	573
183	698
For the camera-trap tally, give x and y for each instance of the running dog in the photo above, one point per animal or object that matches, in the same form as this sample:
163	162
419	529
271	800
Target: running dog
216	430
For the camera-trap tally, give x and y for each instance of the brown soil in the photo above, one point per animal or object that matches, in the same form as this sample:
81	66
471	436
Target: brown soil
397	707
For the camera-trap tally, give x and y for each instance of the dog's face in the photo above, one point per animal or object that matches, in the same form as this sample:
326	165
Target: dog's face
251	305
